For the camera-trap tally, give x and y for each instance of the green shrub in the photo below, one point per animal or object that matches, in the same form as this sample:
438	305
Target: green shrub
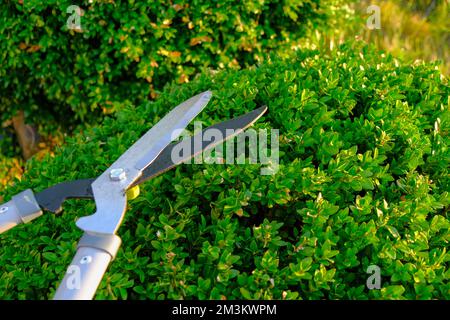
128	50
10	164
363	180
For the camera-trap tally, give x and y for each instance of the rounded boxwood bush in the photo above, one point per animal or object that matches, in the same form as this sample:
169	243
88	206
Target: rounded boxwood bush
126	51
363	180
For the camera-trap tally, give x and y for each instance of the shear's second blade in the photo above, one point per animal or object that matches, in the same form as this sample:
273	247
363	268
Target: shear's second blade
228	129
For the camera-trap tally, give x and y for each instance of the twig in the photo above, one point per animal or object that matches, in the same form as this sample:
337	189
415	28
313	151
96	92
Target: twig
430	8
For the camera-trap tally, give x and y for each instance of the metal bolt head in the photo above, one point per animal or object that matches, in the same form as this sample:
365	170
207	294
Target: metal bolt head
86	260
3	209
118	174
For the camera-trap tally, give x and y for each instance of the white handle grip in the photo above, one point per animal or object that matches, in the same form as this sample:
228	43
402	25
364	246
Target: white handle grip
9	217
22	208
84	275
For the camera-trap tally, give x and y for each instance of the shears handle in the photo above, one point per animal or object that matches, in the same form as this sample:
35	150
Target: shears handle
94	254
22	208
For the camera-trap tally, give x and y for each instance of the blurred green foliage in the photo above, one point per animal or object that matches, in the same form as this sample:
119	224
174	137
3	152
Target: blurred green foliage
410	30
363	180
126	51
10	163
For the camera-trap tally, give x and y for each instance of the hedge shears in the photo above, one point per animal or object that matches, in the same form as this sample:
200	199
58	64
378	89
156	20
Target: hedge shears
150	156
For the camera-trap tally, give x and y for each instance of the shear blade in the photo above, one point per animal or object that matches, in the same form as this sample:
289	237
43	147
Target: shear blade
53	198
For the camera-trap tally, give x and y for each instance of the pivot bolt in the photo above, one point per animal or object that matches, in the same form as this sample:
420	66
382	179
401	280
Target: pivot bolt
118	174
3	209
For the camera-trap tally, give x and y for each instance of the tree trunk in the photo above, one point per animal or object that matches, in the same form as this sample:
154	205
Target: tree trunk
26	135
